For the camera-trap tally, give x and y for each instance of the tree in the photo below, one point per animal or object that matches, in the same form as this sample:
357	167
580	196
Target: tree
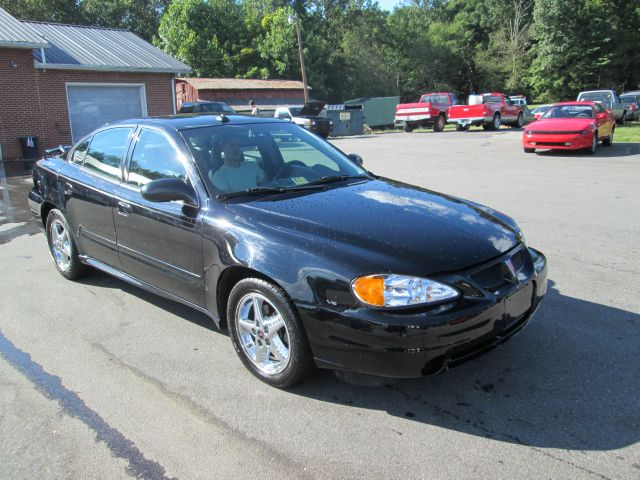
208	35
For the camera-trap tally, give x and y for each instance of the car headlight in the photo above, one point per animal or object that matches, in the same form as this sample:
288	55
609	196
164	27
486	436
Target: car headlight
529	132
313	123
389	290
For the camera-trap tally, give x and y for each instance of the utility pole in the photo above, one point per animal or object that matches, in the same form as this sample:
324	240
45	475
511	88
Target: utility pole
304	72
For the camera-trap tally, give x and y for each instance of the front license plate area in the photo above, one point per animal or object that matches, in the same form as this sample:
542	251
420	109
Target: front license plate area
517	304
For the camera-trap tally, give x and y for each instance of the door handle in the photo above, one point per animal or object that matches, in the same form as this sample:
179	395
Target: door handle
68	189
124	209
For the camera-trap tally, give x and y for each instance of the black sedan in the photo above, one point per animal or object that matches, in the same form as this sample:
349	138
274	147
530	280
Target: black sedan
308	259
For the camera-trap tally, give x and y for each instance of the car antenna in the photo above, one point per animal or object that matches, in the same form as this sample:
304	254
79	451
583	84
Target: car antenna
222	118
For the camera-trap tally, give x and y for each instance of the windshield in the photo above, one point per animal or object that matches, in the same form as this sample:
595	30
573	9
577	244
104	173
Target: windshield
629	99
569	111
236	158
603	97
541	109
217	107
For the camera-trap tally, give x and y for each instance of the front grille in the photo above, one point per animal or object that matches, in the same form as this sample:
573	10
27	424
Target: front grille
557	132
498	274
551	144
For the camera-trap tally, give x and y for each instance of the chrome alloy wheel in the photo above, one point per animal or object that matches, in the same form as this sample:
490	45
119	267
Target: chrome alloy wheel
60	245
263	334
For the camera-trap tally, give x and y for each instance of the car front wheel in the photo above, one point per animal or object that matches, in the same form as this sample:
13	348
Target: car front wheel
267	333
594	144
62	246
607	142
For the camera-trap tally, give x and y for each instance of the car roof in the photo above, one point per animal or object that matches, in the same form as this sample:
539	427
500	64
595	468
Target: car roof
581	102
186	121
596	91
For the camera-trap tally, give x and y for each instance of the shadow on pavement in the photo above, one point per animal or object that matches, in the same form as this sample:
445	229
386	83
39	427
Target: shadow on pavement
100	279
616	150
569	381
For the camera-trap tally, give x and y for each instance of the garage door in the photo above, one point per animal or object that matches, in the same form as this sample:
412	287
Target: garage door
91	105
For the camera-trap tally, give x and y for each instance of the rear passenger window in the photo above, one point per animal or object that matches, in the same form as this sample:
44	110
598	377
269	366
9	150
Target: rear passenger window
106	151
80	152
154	157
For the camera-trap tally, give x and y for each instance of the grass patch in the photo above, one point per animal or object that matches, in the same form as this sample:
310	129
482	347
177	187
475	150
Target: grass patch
628	133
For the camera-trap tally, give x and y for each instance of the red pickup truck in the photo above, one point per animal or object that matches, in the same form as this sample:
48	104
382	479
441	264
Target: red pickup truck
489	110
431	110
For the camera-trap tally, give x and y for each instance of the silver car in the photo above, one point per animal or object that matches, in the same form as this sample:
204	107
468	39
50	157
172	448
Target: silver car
609	98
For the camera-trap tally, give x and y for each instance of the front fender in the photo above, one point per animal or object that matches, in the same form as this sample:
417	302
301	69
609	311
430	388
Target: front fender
312	270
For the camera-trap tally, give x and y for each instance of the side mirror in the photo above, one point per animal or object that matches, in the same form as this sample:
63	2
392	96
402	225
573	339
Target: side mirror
602	115
355	158
168	190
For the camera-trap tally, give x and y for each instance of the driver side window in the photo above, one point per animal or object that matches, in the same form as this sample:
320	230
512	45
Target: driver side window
154	157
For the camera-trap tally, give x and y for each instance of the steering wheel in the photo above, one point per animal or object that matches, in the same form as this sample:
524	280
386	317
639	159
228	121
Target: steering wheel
286	167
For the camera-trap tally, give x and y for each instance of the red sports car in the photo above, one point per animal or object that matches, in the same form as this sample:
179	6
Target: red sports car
571	126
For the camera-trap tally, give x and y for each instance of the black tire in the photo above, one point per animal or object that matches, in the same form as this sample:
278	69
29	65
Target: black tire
592	149
623	119
607	142
459	128
407	127
439	124
69	265
486	126
529	150
300	364
496	121
520	121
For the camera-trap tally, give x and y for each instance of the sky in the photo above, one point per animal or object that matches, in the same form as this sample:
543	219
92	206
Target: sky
388	4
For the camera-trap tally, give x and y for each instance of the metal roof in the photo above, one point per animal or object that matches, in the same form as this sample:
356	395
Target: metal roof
242	84
74	47
17	34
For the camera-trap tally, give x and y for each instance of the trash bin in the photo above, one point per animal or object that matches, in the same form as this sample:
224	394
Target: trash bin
29	147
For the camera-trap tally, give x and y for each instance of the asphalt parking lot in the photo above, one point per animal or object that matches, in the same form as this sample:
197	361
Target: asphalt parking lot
101	380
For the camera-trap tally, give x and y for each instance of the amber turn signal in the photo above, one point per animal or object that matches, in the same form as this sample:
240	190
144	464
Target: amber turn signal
370	289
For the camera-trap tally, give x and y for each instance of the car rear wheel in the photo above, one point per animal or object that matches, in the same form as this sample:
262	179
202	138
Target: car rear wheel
62	246
607	142
496	122
407	127
520	121
529	150
622	120
267	333
439	124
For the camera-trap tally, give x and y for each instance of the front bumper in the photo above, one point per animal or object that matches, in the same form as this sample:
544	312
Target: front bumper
409	345
557	142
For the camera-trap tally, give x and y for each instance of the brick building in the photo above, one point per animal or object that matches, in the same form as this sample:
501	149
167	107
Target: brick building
59	82
268	94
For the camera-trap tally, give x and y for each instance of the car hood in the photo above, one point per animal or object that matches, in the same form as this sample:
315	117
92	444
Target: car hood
398	227
561	124
311	109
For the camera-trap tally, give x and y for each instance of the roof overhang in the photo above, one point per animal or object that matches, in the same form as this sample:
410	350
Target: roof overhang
106	68
26	45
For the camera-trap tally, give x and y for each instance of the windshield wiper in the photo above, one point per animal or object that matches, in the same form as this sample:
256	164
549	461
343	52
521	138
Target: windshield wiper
267	190
336	178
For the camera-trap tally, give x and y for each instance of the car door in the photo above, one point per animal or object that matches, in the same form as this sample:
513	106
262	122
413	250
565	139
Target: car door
159	243
510	110
88	188
603	121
